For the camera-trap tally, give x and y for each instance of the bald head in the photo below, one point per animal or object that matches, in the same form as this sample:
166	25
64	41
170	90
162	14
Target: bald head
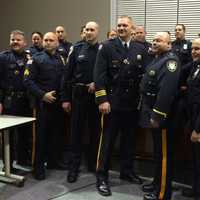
196	49
164	35
50	42
161	42
92	32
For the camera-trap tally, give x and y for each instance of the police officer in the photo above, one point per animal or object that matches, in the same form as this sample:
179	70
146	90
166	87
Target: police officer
79	91
13	94
83	33
194	114
64	45
180	46
140	37
118	71
111	34
36	39
159	87
43	80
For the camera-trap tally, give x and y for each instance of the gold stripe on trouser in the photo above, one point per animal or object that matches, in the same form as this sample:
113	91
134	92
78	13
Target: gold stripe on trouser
33	137
164	164
100	143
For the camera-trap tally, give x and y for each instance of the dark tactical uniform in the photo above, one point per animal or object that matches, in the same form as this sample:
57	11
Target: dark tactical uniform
33	50
194	117
117	75
64	48
159	88
182	48
45	75
13	96
79	74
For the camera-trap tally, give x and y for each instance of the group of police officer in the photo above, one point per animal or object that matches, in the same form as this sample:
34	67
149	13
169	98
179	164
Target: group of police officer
108	88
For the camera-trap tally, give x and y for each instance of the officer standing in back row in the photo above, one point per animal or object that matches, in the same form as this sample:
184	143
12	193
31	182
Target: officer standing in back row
158	88
119	68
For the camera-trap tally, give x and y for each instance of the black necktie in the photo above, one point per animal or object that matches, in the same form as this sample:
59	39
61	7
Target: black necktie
126	46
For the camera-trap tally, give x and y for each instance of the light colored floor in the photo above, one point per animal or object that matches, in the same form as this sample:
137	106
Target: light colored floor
55	187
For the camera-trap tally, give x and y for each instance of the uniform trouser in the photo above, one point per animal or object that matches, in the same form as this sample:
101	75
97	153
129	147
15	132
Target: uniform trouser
196	166
180	115
21	137
85	116
49	135
163	188
157	146
123	122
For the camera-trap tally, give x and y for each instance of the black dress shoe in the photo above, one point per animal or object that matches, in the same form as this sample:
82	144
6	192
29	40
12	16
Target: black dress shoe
58	166
72	176
150	196
39	176
188	192
39	173
103	188
131	177
148	187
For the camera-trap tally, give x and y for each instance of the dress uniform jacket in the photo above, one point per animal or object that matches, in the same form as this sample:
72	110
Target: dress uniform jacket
194	118
117	74
159	87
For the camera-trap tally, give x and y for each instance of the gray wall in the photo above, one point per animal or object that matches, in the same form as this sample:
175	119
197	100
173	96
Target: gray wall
45	15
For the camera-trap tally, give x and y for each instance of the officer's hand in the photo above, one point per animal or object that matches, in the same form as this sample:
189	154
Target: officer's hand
195	137
49	97
66	106
183	88
154	123
105	108
91	87
1	108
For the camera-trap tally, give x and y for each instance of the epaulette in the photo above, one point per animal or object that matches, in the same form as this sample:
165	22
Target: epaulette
171	55
5	52
79	43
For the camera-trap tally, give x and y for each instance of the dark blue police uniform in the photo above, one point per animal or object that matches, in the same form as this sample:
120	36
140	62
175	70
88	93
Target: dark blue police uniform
117	75
182	48
194	119
159	88
75	90
44	75
13	96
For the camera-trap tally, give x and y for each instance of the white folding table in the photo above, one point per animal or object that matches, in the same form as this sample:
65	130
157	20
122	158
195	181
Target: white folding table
7	122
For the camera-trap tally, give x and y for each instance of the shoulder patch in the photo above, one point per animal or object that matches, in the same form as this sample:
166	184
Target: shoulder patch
26	72
172	65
